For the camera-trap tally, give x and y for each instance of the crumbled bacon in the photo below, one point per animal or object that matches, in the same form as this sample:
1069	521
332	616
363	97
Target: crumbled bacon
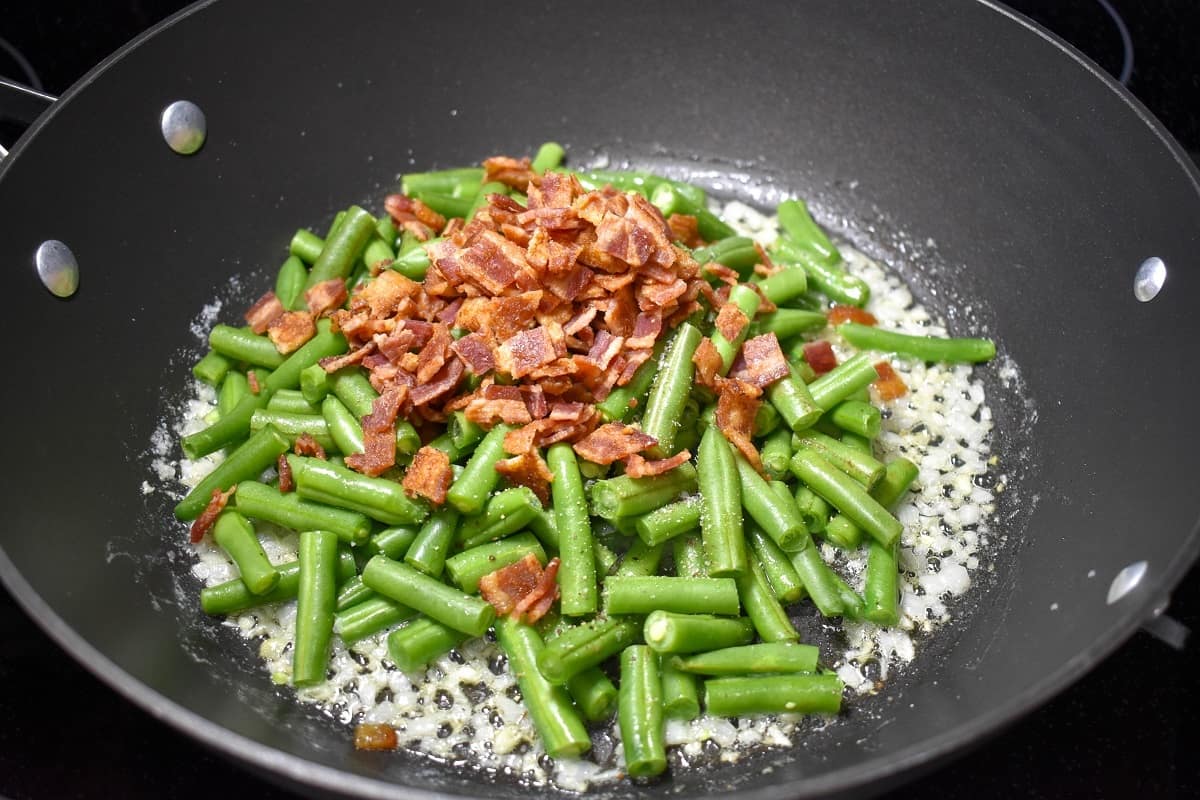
475	353
379	434
306	445
292	329
334	363
708	363
286	483
731	321
684	229
638	467
839	314
613	442
429	475
537	603
252	381
889	385
522	589
820	356
208	517
760	362
737	406
514	172
326	296
413	215
375	736
530	470
266	310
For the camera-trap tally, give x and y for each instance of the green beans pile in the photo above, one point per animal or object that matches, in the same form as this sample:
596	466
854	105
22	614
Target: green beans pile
681	586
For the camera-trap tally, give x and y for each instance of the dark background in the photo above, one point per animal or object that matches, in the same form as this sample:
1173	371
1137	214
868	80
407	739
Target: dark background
1119	732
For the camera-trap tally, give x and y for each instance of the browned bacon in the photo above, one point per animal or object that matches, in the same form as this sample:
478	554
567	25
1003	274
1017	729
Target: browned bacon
429	475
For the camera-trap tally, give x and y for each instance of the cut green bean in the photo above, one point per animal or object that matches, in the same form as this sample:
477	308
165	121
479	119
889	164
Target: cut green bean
343	428
289	284
471	490
243	344
626	497
352	592
776	453
549	156
429	596
481	196
831	280
750	659
378	498
377	254
856	372
769	619
235	535
292	402
862	467
232	596
688	552
248	461
813	509
766	420
289	510
670	632
335	223
623	401
926	348
463	432
353	388
580	647
506	513
428	551
736	252
368	618
234	387
606	559
785	285
458	182
420	641
781	575
212	368
314	384
641	559
671	388
681	691
293	425
392	542
577	565
669	521
412	259
720	506
325	343
343	247
801	230
594	694
306	247
792	399
315	602
640	713
773	694
780	520
819	581
857	417
447	204
847	496
641	595
544	525
842	533
558	724
881	591
468	567
747	300
787	323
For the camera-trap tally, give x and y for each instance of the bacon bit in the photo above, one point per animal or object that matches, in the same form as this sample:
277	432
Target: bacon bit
429	475
520	589
334	363
475	353
292	329
820	356
553	190
604	349
433	355
252	381
286	484
379	434
266	310
525	352
613	442
731	321
684	229
708	363
537	603
889	386
492	262
638	467
441	383
208	516
528	469
646	331
375	736
512	172
306	445
326	296
504	317
406	210
760	362
737	406
839	314
764	261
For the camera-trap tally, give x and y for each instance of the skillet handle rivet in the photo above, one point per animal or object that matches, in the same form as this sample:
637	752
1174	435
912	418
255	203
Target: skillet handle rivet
1149	280
184	127
1127	580
57	268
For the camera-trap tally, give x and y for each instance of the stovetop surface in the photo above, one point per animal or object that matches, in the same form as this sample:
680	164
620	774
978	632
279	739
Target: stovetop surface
1119	732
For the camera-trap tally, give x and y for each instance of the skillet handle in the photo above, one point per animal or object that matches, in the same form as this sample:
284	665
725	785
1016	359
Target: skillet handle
21	105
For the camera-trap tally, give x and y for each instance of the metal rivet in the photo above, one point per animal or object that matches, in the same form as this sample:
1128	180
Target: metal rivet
57	267
184	127
1126	581
1151	276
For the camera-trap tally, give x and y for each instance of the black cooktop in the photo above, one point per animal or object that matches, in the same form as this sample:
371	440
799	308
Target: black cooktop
1119	732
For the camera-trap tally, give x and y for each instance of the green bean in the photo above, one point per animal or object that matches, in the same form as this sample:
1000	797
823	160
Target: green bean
669	521
855	416
342	426
392	542
242	344
467	568
292	426
447	204
798	225
640	713
315	600
351	593
785	285
334	224
408	441
773	694
582	646
354	389
577	566
681	691
593	693
428	551
781	575
377	254
766	420
624	496
842	532
860	443
412	260
305	247
545	527
641	559
235	535
289	284
720	506
507	512
641	595
791	398
842	381
368	618
234	387
606	559
786	323
481	196
852	602
458	182
430	596
776	453
463	432
559	726
689	557
780	520
669	632
232	596
416	644
291	511
847	496
672	386
752	659
470	491
830	280
325	343
292	402
819	581
385	228
212	368
925	348
314	385
813	509
343	247
769	619
378	498
670	200
623	401
736	252
863	468
747	301
549	156
881	591
442	442
248	461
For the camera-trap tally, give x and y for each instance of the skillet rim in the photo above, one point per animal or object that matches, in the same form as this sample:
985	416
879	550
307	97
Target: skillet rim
906	762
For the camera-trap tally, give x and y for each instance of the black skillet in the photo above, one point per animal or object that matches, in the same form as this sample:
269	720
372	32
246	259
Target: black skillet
1043	185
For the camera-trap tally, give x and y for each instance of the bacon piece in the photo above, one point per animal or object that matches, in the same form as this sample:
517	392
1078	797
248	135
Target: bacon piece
326	296
528	469
407	210
731	321
375	736
722	273
737	406
306	445
378	455
604	349
621	315
252	381
820	356
492	262
334	363
512	172
441	383
429	475
392	347
504	317
553	190
384	294
537	603
520	588
526	351
208	517
433	355
760	362
638	467
839	314
286	483
708	363
646	331
290	330
265	310
889	386
613	442
684	229
475	353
